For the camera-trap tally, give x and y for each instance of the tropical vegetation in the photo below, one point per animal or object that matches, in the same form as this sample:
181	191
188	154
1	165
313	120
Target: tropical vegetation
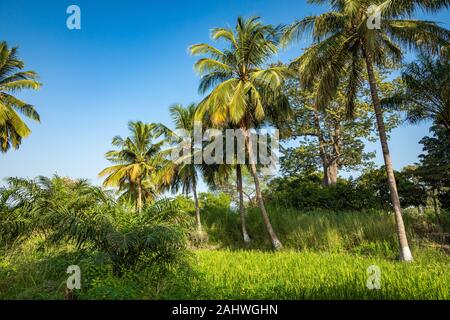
305	232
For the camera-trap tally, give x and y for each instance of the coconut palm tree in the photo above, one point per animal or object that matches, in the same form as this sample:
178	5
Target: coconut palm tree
346	41
135	162
181	173
244	92
12	79
426	92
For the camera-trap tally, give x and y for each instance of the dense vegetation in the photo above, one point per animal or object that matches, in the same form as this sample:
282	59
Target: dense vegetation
326	255
305	233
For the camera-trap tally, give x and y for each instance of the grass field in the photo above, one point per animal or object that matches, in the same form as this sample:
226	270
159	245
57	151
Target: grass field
326	256
223	274
312	275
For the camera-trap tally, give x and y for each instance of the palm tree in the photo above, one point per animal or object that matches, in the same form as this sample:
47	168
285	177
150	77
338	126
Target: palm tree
426	92
182	173
12	128
135	162
244	92
345	41
217	175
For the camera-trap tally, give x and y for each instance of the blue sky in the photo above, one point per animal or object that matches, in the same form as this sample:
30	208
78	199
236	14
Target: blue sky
129	61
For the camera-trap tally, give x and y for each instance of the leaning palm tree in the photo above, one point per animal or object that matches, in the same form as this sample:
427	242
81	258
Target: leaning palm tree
346	40
244	91
135	161
181	174
12	128
426	92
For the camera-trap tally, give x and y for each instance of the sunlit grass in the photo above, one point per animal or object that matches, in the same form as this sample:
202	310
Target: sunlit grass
312	275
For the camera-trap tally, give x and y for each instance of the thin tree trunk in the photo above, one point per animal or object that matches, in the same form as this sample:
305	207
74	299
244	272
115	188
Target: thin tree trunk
139	198
437	210
241	203
197	207
420	209
448	136
275	241
333	163
322	152
405	252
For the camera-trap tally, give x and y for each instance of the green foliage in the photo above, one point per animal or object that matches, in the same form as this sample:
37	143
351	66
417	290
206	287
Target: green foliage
369	191
344	42
327	136
425	92
12	79
210	200
185	203
63	211
244	91
307	193
434	166
134	164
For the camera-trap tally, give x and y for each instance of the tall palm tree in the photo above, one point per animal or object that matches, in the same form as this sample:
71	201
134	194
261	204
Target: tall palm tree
244	92
135	162
345	41
426	92
182	173
12	128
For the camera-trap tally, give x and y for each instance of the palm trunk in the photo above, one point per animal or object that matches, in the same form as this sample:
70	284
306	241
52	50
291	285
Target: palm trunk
241	203
275	241
139	196
197	207
405	252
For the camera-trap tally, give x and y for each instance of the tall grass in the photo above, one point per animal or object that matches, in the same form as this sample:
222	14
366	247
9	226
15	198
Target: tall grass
370	232
326	256
32	273
291	275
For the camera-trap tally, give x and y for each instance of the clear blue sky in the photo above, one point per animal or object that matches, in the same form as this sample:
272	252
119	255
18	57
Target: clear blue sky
128	62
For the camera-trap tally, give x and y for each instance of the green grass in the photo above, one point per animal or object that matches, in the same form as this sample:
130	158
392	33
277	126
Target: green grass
225	274
368	233
312	275
326	256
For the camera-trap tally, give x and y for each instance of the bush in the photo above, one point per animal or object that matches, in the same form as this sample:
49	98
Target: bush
73	211
308	194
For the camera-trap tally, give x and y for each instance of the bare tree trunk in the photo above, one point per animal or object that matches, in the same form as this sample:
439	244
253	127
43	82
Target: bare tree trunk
405	252
241	203
139	197
197	207
331	173
275	241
